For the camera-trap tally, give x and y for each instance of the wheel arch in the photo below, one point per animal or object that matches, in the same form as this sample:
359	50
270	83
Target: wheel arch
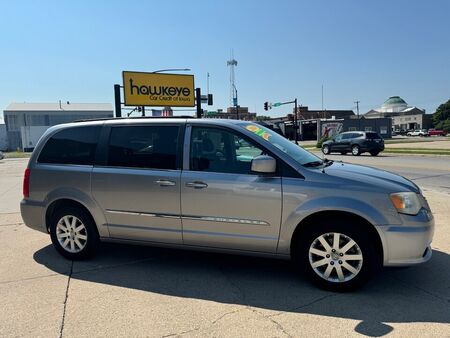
66	202
312	219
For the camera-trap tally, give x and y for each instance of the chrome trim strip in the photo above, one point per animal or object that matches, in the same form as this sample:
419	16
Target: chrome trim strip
137	227
190	217
138	213
225	220
210	233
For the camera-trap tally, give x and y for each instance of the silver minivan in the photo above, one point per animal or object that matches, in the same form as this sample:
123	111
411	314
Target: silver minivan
221	185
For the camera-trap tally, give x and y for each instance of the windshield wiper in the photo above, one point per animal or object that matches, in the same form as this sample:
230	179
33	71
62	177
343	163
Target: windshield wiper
313	164
328	162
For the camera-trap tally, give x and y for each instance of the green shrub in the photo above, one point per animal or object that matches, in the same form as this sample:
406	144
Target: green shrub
321	141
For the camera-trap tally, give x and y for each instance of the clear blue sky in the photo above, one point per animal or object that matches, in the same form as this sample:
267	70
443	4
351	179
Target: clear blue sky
359	50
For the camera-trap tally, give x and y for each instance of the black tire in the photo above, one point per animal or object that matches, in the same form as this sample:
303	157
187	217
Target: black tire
374	153
356	150
89	231
326	149
369	261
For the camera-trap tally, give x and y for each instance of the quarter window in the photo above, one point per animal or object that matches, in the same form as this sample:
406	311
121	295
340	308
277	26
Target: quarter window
218	150
71	146
152	147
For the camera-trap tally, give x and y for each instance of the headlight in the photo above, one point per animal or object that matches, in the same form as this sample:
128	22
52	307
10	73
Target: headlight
406	202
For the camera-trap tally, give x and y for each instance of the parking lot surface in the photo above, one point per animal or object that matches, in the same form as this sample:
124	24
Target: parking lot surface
143	291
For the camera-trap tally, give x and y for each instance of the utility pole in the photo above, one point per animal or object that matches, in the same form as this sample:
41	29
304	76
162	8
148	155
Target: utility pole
357	112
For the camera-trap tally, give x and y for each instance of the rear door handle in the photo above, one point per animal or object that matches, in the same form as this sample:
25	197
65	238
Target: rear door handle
165	183
196	185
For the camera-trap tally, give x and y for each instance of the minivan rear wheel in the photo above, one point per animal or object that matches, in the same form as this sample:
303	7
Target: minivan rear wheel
73	233
336	255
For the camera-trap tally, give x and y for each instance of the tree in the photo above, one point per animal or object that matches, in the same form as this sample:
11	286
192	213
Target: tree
441	118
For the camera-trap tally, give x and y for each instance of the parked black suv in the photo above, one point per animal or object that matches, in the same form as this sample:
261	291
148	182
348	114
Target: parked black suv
356	142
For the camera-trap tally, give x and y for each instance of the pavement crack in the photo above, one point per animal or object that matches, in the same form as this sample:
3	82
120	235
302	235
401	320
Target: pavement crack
65	302
273	321
181	333
114	265
226	314
317	300
30	278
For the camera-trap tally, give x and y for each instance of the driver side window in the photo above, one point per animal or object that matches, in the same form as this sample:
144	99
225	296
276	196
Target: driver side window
219	150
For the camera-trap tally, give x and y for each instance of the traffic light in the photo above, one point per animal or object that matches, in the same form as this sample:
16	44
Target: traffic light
266	105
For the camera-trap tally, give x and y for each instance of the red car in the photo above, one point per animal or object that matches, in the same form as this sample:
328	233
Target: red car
436	132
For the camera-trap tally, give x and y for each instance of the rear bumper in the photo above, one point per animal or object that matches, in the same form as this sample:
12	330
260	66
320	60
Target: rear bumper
408	244
33	215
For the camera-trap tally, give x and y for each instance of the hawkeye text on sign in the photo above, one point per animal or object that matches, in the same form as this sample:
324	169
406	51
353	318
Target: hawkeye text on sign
153	89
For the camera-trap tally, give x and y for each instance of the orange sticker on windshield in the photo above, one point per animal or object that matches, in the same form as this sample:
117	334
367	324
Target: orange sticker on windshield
258	131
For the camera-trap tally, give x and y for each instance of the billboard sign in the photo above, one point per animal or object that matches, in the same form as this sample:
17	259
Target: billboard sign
155	89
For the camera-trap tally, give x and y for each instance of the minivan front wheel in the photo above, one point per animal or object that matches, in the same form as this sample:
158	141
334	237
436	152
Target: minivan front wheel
326	149
335	256
73	233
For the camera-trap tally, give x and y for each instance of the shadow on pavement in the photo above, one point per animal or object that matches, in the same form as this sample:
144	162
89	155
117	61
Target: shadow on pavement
416	294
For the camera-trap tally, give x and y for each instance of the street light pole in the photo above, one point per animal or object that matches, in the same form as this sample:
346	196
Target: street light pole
172	70
236	104
295	121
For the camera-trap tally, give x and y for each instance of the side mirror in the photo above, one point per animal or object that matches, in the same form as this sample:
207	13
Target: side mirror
264	164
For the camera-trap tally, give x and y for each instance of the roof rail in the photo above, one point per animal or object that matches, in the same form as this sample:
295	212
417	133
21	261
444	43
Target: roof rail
136	117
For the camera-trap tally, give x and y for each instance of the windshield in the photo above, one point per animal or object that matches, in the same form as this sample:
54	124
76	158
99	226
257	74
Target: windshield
300	155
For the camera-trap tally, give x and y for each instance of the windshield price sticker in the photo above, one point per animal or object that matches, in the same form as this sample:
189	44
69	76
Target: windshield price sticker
258	131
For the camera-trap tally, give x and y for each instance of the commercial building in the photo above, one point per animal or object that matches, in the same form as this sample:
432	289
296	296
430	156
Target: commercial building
26	122
403	117
244	114
3	137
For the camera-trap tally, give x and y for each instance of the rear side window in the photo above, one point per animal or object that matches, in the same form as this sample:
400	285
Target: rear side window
152	147
71	146
372	136
347	136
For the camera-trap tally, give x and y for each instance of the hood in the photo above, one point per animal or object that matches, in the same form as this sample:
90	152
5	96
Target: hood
381	179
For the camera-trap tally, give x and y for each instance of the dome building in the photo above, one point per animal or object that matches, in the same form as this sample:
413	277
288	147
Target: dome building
404	117
394	104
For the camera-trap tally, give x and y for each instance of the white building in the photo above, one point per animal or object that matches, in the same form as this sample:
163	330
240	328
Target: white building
26	122
403	116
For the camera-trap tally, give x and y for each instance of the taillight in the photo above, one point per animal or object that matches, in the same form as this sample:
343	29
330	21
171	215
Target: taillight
26	183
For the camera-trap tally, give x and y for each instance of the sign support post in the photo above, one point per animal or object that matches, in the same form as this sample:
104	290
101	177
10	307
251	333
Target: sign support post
117	102
198	100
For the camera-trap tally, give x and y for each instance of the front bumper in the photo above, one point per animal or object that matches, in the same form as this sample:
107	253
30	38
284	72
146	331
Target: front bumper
409	243
33	215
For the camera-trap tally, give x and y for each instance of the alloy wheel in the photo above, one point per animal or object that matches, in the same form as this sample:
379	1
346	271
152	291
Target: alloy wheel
335	257
71	234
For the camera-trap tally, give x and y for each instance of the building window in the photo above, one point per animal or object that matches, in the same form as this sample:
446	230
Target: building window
368	129
351	128
383	130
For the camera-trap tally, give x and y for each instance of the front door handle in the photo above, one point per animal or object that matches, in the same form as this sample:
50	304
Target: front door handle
196	185
165	183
